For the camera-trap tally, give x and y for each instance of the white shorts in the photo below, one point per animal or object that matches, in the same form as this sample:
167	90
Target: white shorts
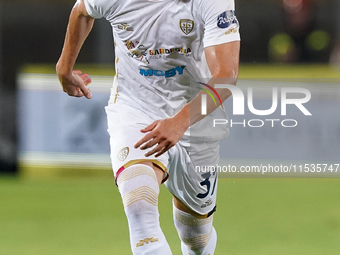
195	189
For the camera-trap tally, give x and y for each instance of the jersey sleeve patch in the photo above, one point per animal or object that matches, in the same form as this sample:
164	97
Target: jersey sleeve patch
221	24
227	19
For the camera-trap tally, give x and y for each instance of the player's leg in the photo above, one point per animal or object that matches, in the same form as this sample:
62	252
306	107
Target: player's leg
194	195
139	188
196	231
138	183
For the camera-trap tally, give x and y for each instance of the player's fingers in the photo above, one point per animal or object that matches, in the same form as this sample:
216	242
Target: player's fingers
79	93
150	127
150	144
87	81
74	92
78	72
144	140
86	78
85	91
158	148
164	149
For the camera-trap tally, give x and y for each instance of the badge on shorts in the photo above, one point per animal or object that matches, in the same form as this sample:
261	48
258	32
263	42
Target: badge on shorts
123	153
186	25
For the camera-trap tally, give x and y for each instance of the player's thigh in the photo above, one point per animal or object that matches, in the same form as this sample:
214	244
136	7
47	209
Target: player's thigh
158	171
191	180
124	125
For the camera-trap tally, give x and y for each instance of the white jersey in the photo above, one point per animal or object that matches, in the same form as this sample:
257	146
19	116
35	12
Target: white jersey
160	47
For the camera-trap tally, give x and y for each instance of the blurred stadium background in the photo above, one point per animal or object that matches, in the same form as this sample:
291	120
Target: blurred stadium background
57	194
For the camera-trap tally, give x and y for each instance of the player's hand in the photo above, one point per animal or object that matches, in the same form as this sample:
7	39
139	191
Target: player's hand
162	133
75	84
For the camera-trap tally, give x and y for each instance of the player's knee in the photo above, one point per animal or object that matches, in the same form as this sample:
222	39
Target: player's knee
195	233
197	244
198	241
139	189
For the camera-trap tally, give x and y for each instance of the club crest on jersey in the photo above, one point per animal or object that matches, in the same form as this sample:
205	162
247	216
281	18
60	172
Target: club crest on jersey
123	153
186	25
226	19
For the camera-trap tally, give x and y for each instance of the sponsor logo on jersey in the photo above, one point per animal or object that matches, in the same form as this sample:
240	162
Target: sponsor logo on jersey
124	26
131	44
169	51
226	19
186	25
146	241
231	31
137	51
123	153
169	73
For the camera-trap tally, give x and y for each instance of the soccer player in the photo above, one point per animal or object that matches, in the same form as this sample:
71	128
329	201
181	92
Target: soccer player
154	118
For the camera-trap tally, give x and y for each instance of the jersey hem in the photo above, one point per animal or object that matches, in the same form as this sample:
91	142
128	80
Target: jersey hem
230	38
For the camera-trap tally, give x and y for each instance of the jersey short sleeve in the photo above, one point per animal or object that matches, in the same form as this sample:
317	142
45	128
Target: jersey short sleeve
98	8
221	24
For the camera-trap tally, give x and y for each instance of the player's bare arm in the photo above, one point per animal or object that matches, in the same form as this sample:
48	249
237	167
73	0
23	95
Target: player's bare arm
80	24
223	62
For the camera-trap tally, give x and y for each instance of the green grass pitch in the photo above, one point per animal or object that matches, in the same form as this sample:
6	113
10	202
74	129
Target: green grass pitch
84	215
